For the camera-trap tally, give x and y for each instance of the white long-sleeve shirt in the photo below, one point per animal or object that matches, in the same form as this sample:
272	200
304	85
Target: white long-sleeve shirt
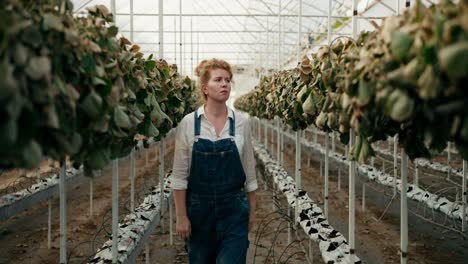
184	143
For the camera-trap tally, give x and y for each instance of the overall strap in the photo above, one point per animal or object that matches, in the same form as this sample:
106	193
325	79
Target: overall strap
232	125
196	124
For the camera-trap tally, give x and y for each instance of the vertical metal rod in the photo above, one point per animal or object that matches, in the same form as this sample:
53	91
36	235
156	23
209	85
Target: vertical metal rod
161	28
289	225
278	139
171	220
464	196
416	174
395	164
329	31
180	37
115	210
131	21
352	198
404	207
321	168
161	174
363	197
265	137
91	191
279	35
299	32
113	10
132	180
333	142
63	214
175	39
449	159
327	160
315	135
198	47
339	179
49	225
282	147
259	132
298	175
147	253
192	69
372	161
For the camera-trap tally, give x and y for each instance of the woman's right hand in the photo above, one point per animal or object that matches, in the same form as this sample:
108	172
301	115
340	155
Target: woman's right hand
183	227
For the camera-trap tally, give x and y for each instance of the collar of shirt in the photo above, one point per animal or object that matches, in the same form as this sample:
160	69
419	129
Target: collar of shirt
201	111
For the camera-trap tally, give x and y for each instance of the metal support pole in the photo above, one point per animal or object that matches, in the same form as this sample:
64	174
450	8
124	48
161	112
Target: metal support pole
49	226
171	220
464	196
132	180
146	158
180	36
449	159
363	197
416	174
279	35
352	166
63	214
298	175
161	174
339	179
175	39
327	160
91	191
372	161
115	210
289	225
333	143
147	253
113	11
131	21
191	48
404	207
278	139
395	164
282	148
352	197
265	137
299	32
161	29
315	135
321	168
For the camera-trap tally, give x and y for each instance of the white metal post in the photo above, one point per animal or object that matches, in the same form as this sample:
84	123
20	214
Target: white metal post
464	196
298	175
131	21
63	214
449	159
416	174
279	35
266	133
113	10
132	180
180	36
175	39
339	179
327	160
299	30
115	210
352	198
352	166
91	194
49	226
404	207
161	174
395	163
278	139
333	142
191	48
363	197
161	28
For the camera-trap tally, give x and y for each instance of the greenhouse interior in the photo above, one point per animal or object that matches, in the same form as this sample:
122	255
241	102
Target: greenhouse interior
279	131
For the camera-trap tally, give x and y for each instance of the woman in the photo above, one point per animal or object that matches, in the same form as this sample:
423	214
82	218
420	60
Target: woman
213	176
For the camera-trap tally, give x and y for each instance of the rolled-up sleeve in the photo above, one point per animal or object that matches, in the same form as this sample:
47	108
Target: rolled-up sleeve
181	158
248	160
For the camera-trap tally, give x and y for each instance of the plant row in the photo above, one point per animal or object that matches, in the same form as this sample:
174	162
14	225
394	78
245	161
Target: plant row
407	78
71	88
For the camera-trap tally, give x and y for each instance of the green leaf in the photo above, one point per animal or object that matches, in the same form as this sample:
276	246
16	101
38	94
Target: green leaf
454	60
31	155
39	68
98	158
8	132
112	31
401	44
92	104
121	118
149	65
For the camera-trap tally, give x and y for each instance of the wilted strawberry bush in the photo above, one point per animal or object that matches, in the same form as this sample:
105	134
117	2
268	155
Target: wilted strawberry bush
407	78
70	88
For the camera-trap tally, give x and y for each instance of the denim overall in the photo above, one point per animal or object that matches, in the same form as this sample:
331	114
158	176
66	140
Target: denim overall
217	205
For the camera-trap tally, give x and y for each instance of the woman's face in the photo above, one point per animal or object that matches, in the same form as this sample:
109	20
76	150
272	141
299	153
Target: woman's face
218	87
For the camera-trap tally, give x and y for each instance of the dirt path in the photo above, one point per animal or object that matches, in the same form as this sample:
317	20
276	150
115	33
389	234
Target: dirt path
24	236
